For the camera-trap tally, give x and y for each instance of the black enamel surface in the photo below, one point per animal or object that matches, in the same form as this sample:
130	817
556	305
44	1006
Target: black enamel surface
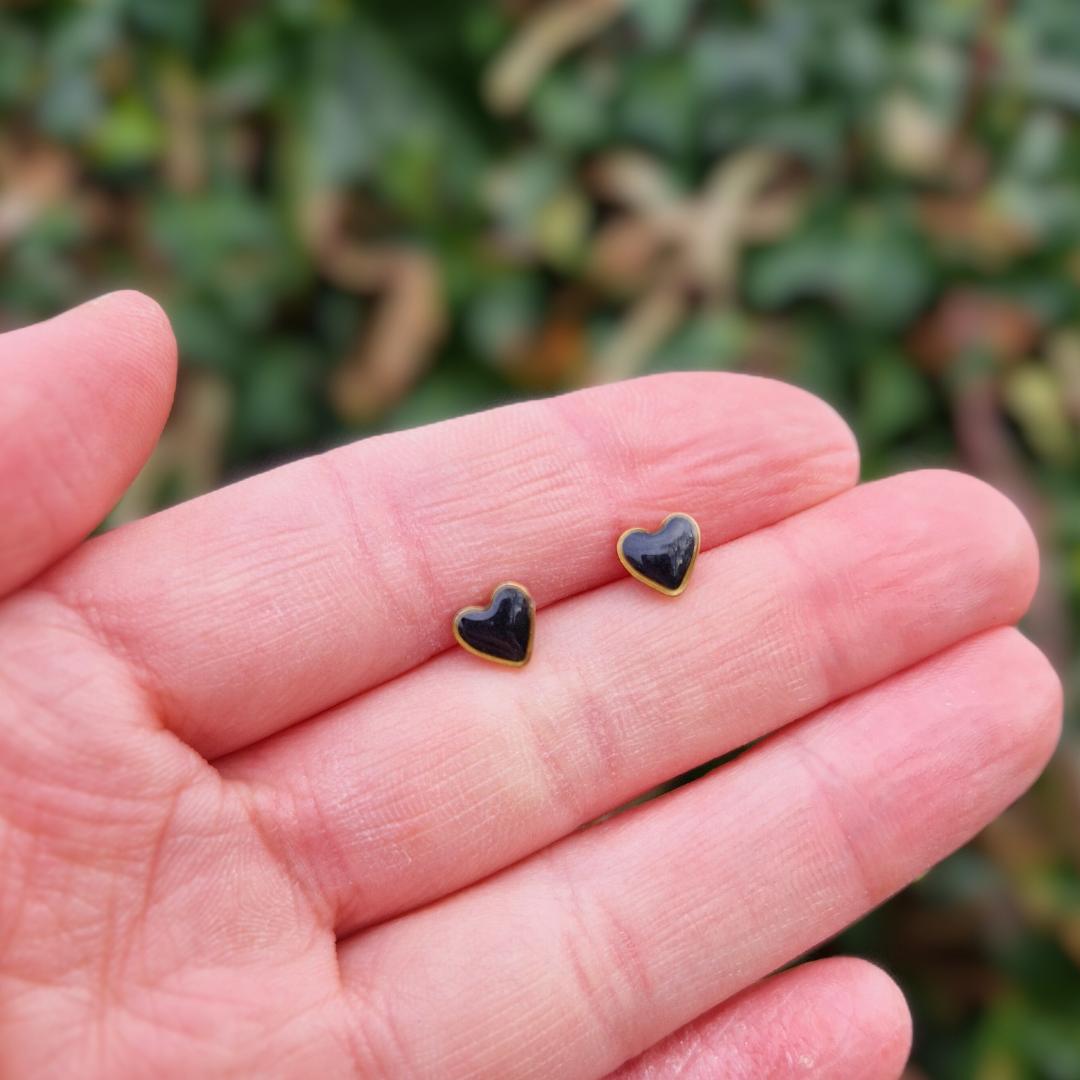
501	631
663	558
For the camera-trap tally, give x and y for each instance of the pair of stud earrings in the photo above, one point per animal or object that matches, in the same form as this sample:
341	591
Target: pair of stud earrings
503	631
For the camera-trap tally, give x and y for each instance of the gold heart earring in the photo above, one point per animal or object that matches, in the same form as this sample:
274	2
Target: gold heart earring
503	631
663	559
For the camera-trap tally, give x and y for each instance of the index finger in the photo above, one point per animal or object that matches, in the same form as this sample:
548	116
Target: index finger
274	599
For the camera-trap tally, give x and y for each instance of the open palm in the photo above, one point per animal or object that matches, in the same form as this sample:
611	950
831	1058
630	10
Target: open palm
258	819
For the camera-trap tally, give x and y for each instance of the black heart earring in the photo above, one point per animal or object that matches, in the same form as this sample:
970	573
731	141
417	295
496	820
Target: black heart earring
503	631
665	558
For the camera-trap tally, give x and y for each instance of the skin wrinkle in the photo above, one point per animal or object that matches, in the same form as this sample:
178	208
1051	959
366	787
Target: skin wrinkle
696	1052
419	585
275	621
154	861
836	593
58	915
603	734
752	453
301	809
826	798
122	920
50	802
410	810
735	897
552	492
346	1035
773	645
520	457
102	1001
587	949
84	851
746	481
260	559
375	1038
292	564
41	520
165	1016
554	753
471	788
93	631
842	1034
15	889
629	960
355	534
607	437
275	840
606	457
818	594
396	832
107	811
603	953
599	736
479	827
858	808
246	924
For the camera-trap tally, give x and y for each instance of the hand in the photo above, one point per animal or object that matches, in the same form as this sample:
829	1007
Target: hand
258	818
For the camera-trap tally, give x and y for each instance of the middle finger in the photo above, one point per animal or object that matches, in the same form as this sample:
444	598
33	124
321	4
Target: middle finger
458	769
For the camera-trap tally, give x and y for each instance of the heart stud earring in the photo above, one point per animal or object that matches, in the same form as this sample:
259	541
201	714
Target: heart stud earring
665	558
503	631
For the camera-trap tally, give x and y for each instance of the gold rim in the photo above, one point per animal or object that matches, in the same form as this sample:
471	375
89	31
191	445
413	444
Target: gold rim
652	584
476	607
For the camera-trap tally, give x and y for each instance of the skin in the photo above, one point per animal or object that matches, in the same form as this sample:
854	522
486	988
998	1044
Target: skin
259	818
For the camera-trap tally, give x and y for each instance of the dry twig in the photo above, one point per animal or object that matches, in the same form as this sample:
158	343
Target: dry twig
545	38
409	321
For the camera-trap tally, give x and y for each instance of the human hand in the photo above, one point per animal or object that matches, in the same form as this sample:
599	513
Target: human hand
258	819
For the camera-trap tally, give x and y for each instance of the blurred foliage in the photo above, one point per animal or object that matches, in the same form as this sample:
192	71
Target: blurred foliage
362	216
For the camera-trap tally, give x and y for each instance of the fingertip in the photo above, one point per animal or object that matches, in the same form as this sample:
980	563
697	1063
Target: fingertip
808	423
835	443
881	1024
1005	523
146	346
986	715
794	449
119	355
834	1019
1002	551
1028	734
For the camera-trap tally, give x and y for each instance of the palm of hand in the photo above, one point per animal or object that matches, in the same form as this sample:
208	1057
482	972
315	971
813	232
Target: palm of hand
253	824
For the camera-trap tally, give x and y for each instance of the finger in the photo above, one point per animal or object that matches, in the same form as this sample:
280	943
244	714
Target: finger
85	398
272	600
613	938
837	1019
459	769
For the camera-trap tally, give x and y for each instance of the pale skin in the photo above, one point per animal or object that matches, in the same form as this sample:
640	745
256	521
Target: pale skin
260	818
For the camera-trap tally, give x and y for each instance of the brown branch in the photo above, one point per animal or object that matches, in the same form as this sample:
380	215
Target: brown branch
549	35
